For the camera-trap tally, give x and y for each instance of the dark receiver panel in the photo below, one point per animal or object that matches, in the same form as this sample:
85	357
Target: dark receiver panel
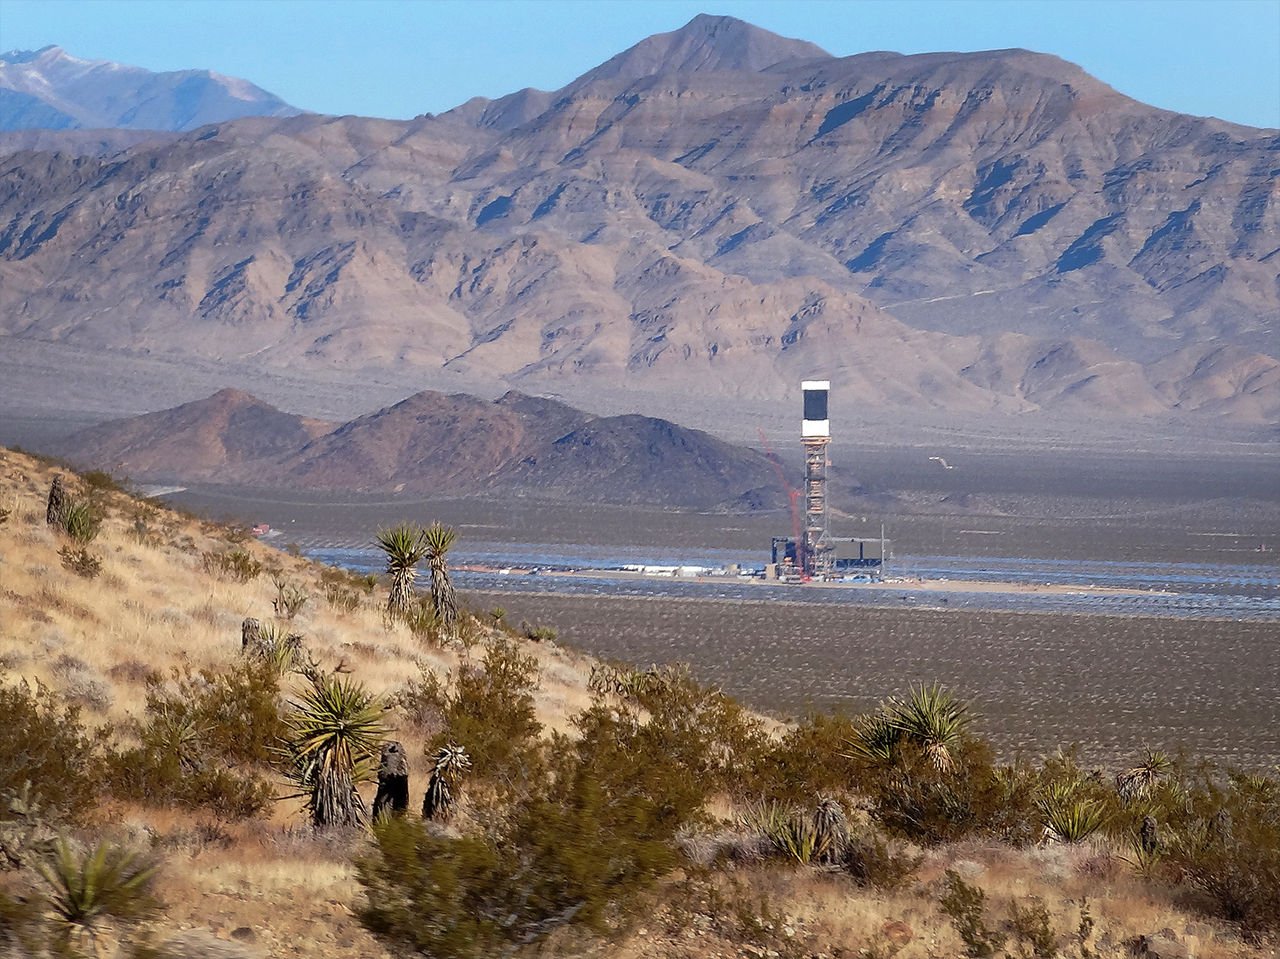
815	404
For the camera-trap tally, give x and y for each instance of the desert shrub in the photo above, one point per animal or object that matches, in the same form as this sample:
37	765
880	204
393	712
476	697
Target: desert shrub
810	759
204	739
5	513
965	906
1032	929
708	735
341	598
912	798
578	849
487	708
99	482
360	583
537	633
80	561
872	861
82	521
436	895
45	745
419	614
290	598
237	565
1227	846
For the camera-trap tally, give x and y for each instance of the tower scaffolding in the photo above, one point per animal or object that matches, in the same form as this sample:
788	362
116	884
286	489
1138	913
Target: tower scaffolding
815	436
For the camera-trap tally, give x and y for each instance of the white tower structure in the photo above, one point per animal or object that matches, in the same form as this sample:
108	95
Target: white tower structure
815	436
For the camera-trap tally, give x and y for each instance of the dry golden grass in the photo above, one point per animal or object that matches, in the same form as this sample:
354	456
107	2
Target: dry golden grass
155	608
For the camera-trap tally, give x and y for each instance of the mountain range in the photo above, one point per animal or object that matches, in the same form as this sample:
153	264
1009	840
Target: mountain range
438	444
49	89
716	211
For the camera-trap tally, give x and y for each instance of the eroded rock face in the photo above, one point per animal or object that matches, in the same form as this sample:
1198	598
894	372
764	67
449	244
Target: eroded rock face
716	211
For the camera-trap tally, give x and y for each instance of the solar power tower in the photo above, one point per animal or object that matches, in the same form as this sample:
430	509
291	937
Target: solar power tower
815	435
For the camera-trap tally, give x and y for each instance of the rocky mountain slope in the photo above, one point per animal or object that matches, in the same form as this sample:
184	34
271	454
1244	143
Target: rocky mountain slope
716	211
435	443
51	89
226	433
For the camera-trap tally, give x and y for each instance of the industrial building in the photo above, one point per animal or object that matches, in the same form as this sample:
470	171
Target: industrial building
811	552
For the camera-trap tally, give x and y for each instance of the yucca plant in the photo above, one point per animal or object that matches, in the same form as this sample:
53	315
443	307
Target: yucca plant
766	818
276	646
875	739
1138	782
336	733
404	547
933	719
439	540
1069	817
81	521
930	718
446	778
108	883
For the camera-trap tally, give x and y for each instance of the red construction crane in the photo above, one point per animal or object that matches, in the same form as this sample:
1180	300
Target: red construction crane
793	495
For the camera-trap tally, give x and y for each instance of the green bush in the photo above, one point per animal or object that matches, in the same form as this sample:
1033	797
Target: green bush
45	744
237	564
965	906
912	798
1227	846
873	862
576	850
487	708
204	741
808	760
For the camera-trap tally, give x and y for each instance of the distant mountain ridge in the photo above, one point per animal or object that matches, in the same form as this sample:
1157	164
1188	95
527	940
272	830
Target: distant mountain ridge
717	211
51	89
438	444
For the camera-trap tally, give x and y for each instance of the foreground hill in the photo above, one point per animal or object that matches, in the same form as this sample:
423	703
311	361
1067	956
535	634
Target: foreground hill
136	671
49	89
434	443
715	211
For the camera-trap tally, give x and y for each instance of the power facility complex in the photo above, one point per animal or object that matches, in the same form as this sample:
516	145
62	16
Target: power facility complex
811	552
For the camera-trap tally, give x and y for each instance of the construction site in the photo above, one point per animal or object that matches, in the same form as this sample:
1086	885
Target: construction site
811	553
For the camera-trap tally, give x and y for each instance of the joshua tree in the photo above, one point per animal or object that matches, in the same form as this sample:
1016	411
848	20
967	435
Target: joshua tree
336	731
831	829
446	776
439	540
56	512
393	783
405	547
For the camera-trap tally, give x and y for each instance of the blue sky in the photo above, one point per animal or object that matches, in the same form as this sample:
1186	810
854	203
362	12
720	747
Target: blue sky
398	58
